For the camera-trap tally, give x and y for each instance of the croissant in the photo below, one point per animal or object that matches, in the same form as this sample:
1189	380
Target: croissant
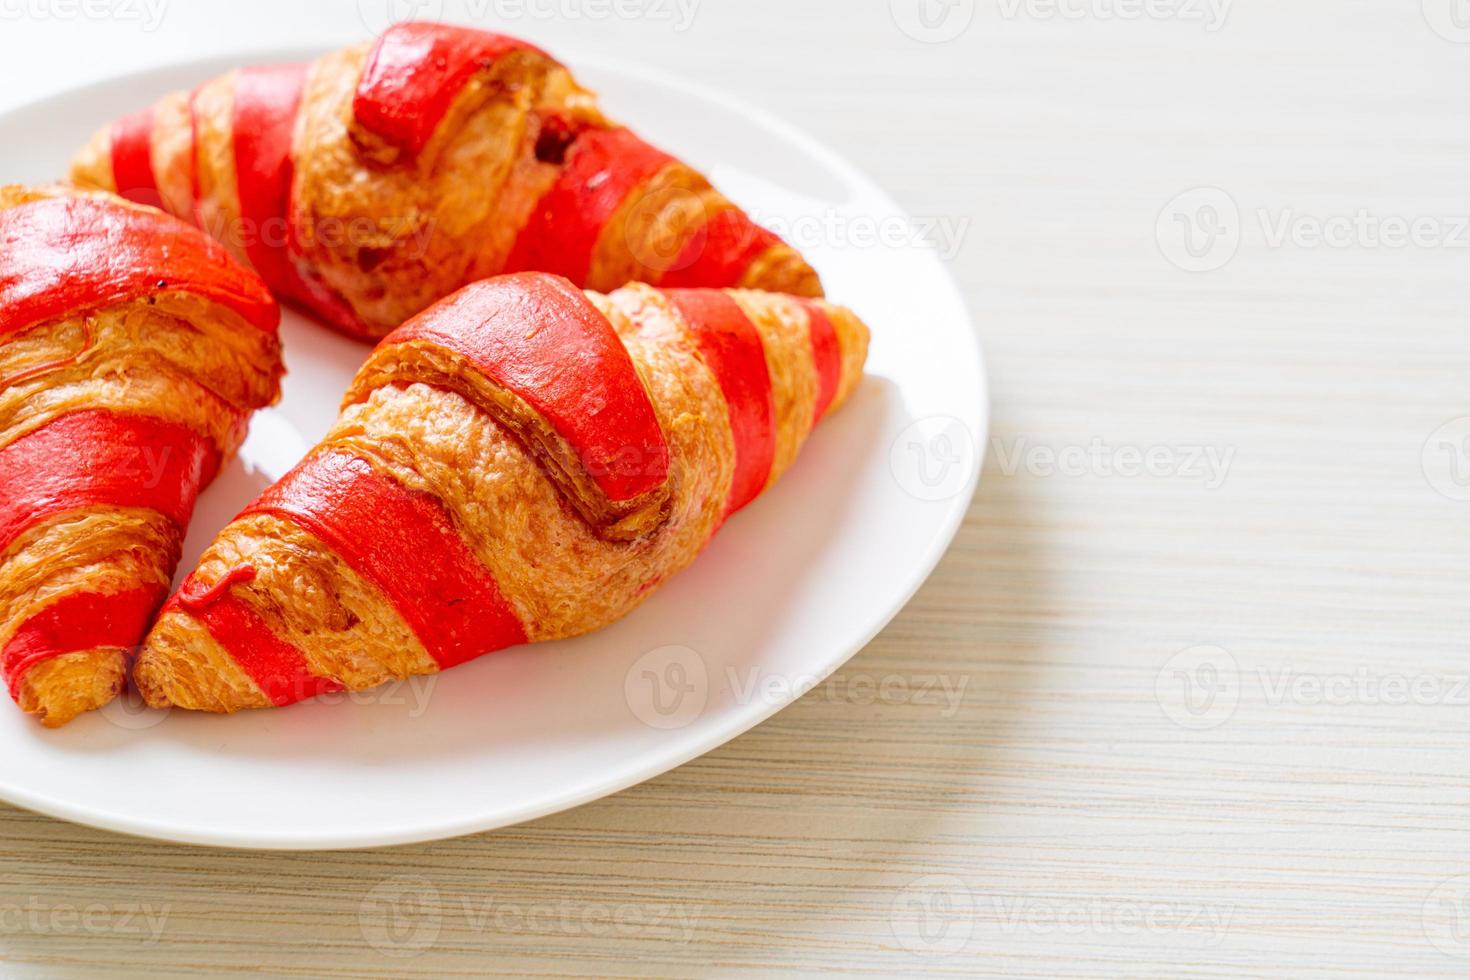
521	462
380	178
132	352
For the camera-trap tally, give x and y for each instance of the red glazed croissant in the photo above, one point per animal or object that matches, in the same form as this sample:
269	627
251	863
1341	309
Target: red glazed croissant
521	462
132	352
381	178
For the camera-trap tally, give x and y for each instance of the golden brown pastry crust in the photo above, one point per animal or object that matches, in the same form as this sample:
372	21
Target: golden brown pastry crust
395	238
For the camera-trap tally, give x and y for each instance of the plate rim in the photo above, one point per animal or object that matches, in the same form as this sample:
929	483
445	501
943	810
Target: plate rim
734	724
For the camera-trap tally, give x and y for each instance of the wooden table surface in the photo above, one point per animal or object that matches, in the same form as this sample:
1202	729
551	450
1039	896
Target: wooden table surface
1205	627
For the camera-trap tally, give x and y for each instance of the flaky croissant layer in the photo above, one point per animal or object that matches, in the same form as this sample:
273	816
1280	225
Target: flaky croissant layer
380	178
522	462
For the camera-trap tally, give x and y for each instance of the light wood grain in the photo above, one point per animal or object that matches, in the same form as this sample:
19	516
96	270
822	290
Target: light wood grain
1058	821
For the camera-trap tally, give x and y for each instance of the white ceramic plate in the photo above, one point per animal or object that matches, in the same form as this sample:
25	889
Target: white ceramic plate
791	588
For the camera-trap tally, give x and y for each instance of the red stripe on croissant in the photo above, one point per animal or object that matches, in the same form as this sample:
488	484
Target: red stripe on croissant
63	255
195	215
415	72
719	252
827	355
132	158
603	167
539	338
403	542
95	458
277	668
82	621
265	105
733	350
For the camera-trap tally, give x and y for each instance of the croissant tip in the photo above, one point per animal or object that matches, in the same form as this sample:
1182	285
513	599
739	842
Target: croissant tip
61	690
